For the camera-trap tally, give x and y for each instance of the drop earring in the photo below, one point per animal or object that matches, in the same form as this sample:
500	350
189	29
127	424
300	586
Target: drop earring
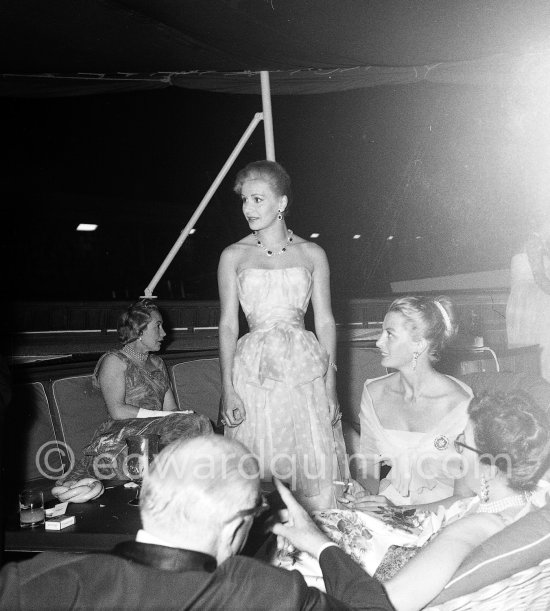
415	360
484	490
280	216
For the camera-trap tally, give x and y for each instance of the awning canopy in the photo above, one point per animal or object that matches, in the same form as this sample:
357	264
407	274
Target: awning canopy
75	47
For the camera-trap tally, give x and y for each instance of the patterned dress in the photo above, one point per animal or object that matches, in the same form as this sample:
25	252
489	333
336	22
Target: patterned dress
278	373
143	389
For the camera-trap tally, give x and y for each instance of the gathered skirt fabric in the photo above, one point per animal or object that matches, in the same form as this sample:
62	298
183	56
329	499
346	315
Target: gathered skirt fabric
278	373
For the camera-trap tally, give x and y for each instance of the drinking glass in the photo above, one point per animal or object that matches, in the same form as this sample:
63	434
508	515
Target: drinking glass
141	451
31	508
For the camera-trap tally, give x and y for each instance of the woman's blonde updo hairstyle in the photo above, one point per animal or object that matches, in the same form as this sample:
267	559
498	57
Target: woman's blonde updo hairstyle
273	173
428	318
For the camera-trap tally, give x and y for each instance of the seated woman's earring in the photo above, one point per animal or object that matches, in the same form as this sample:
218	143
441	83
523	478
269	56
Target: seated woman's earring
484	490
415	360
280	215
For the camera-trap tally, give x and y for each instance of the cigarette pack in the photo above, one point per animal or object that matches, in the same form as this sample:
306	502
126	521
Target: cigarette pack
59	522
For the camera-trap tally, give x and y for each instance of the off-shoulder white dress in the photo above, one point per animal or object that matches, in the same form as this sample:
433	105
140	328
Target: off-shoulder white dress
423	465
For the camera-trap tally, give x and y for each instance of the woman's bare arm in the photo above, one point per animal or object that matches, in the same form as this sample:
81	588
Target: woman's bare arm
325	327
427	573
112	382
169	404
232	408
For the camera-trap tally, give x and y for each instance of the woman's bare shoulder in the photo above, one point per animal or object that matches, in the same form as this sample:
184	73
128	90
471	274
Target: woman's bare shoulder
238	247
310	248
380	386
111	364
312	254
233	254
455	389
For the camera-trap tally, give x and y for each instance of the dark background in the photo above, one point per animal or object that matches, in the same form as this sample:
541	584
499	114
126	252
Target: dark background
435	166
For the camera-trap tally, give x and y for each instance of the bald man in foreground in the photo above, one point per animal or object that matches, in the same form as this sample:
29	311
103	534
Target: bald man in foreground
198	503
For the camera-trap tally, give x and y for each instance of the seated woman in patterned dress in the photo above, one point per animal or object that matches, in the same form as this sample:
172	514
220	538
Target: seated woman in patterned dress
137	392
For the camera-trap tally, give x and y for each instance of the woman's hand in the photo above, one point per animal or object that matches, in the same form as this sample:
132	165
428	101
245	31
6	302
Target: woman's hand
232	409
333	406
360	499
80	491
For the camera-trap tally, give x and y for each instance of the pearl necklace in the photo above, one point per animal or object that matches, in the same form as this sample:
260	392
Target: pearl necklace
516	500
140	356
269	252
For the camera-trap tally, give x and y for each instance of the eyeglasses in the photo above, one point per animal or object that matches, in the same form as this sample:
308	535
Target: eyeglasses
460	445
260	507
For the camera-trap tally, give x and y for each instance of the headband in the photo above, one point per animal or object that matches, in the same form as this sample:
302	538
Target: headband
446	319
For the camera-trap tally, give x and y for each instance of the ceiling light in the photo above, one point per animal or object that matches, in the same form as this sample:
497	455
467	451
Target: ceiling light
86	227
314	235
356	236
192	231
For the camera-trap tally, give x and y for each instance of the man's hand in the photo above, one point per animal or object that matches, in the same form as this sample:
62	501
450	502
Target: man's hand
296	526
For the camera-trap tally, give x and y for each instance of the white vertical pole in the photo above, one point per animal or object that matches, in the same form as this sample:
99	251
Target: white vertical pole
268	117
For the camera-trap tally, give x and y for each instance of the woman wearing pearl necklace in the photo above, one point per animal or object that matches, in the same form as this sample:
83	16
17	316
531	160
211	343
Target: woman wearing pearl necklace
136	388
279	380
506	451
505	457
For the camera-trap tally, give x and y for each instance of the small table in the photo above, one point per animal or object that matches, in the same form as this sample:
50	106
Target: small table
100	525
103	523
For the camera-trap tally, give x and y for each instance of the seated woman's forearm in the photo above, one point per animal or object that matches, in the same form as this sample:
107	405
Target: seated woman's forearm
123	412
434	506
427	573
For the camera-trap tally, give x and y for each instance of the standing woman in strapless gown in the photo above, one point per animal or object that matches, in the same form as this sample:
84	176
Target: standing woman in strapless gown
279	380
528	306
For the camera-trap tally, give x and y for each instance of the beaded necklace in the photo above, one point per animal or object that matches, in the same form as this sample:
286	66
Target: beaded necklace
270	252
139	356
516	500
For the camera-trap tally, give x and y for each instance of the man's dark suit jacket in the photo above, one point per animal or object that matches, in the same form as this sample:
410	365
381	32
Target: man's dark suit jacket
144	576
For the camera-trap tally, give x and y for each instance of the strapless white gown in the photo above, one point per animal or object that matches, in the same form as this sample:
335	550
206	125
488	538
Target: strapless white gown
278	373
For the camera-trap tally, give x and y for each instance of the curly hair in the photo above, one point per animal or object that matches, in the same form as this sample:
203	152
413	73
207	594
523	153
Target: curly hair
133	321
513	433
270	171
429	319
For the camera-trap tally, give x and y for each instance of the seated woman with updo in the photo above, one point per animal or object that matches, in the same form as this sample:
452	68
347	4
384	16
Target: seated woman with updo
137	392
409	418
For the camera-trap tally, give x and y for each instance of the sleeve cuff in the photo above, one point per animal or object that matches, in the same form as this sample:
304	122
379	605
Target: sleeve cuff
324	547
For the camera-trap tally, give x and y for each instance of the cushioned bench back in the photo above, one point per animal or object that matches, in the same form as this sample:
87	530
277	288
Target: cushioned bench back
536	386
197	386
29	435
355	365
80	409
